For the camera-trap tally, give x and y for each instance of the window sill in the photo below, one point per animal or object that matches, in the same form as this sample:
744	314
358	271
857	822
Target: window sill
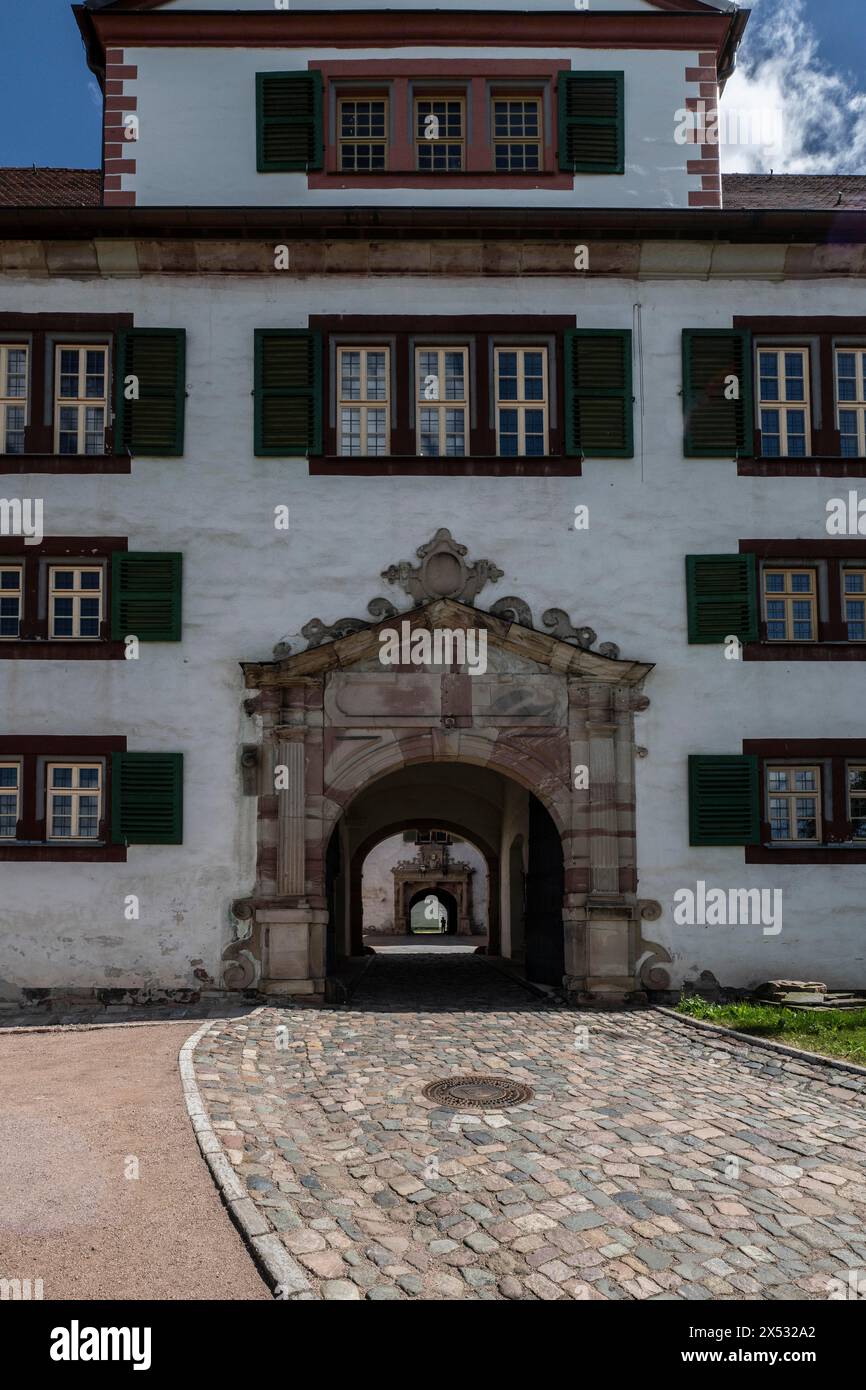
52	649
816	466
804	651
65	463
819	854
451	178
548	466
31	852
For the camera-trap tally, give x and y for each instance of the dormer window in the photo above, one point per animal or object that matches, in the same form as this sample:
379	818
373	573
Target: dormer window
517	127
362	123
440	134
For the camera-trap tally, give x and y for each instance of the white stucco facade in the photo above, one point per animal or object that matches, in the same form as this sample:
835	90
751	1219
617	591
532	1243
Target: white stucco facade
248	586
196	142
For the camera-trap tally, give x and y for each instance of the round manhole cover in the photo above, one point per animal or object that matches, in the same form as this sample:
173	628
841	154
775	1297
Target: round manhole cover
477	1092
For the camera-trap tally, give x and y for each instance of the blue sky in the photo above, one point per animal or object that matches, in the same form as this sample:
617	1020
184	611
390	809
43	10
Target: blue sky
49	113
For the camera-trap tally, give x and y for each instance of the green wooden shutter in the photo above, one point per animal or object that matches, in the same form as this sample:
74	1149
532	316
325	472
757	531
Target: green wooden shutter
722	595
724	806
153	424
598	393
147	798
716	427
289	131
288	392
146	595
591	122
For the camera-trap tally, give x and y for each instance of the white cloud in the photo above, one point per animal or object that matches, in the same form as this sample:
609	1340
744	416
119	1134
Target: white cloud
95	93
804	118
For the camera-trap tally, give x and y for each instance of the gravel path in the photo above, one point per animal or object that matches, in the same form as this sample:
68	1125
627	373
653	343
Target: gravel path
78	1111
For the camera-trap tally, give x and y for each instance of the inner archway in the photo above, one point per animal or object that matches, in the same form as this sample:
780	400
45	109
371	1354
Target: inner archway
479	806
433	913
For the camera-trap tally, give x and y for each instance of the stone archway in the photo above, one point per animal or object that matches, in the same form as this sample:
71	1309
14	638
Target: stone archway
447	901
547	714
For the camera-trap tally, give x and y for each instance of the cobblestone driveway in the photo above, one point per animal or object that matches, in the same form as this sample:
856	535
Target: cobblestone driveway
650	1164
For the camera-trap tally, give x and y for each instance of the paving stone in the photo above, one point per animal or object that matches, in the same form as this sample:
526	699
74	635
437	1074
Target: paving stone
340	1290
327	1264
601	1187
481	1243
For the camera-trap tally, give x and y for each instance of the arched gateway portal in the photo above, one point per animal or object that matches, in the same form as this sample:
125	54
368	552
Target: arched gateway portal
530	755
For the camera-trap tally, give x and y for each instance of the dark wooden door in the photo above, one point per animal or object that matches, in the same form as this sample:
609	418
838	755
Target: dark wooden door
545	886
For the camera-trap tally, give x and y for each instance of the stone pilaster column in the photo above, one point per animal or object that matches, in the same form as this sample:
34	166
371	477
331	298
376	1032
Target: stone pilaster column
604	848
290	820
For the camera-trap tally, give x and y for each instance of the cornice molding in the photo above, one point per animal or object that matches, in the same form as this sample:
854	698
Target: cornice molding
141	233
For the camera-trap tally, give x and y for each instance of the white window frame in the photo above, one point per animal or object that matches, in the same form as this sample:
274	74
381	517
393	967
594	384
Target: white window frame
76	793
8	402
537	99
783	406
521	405
851	793
853	598
367	141
423	142
12	791
76	593
13	593
788	597
791	797
81	403
858	350
363	404
439	403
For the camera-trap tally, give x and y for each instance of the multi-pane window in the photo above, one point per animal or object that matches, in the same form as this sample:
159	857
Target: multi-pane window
75	600
11	582
521	401
794	803
440	134
80	399
74	800
441	401
783	375
10	790
362	124
854	601
364	401
857	801
790	605
851	400
13	397
517	134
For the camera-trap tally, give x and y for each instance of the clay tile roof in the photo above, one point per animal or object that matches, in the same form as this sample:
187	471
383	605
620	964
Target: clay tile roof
50	188
794	191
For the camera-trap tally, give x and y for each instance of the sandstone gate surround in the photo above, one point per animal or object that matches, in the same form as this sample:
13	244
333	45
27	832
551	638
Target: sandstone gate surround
334	723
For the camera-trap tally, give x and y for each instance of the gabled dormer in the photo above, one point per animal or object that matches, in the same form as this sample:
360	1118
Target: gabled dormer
339	103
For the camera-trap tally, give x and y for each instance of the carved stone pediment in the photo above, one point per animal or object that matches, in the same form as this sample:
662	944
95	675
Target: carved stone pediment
445	575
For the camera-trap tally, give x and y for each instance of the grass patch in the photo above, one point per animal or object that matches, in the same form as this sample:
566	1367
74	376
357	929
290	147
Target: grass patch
833	1032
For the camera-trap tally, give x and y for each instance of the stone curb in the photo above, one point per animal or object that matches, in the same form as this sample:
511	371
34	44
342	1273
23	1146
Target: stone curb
797	1053
284	1276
